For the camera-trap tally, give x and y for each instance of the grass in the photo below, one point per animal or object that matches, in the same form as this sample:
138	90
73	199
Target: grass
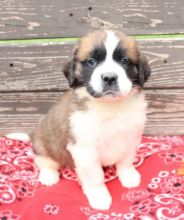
38	41
159	36
74	39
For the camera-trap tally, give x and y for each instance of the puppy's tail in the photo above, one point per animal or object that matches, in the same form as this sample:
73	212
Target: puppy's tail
19	136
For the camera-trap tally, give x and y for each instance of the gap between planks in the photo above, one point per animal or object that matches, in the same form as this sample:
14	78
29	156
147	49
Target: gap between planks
67	40
64	90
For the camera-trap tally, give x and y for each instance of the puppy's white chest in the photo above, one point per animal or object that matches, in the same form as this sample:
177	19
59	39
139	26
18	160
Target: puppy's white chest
95	134
107	135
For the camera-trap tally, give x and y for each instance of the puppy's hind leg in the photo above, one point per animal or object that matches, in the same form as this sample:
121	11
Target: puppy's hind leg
49	174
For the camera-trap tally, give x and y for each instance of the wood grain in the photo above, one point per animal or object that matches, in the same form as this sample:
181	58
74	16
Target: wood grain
165	112
23	111
30	68
39	68
44	18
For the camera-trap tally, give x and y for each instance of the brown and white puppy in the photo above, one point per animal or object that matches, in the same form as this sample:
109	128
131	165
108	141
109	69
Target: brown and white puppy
100	120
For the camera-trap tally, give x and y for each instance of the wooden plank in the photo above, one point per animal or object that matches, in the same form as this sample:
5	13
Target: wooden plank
32	68
28	68
22	111
166	59
56	18
165	112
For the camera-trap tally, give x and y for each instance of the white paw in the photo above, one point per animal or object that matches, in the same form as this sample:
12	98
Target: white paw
48	177
129	177
99	198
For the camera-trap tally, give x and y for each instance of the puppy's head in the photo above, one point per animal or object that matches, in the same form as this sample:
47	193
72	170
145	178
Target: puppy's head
107	63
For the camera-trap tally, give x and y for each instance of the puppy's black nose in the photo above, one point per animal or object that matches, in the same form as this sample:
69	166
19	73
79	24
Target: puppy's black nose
109	79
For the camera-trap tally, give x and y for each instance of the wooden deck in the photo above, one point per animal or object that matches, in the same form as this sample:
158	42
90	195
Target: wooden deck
31	78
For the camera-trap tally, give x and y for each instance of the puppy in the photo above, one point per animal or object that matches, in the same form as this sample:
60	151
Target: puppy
100	120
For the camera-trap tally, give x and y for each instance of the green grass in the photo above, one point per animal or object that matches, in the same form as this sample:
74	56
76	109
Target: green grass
159	36
74	39
38	41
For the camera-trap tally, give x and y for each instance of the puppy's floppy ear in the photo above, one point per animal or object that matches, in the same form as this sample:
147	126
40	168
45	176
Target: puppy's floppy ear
144	70
69	69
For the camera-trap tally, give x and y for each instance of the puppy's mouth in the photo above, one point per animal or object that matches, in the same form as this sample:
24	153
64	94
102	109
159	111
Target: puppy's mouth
110	93
106	93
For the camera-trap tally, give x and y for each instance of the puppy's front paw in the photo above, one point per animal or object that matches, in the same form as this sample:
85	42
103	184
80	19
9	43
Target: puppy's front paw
48	177
99	197
129	177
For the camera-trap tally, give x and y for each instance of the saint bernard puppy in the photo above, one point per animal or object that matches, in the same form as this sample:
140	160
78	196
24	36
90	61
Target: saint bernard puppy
100	120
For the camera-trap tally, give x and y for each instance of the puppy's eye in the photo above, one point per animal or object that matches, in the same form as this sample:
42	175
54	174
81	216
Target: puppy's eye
124	61
91	62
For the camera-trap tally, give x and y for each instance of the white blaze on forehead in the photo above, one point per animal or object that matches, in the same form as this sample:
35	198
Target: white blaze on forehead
111	43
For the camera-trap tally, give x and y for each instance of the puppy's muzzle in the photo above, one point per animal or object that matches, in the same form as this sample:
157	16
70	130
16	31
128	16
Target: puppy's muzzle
109	79
110	82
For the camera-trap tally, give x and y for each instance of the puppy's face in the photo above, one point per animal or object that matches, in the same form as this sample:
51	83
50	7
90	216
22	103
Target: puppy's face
107	63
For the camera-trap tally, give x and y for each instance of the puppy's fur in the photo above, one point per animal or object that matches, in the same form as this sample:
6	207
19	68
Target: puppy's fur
100	120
